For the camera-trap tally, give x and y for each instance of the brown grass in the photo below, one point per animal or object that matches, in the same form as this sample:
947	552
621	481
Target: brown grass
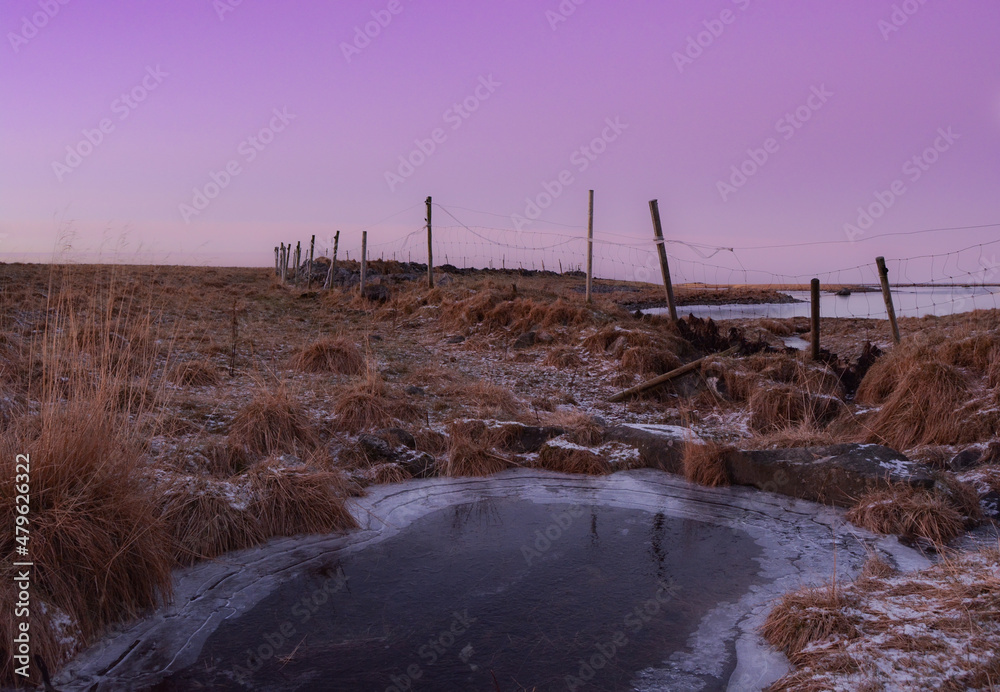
271	422
336	355
287	502
705	464
572	458
368	404
472	450
907	511
777	407
649	360
939	627
581	428
207	518
805	616
194	373
562	357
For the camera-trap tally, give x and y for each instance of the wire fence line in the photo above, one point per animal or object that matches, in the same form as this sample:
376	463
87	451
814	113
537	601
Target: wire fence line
940	284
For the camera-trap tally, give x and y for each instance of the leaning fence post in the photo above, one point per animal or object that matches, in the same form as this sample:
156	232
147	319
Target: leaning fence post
883	273
430	247
654	210
815	319
364	259
590	245
309	273
333	262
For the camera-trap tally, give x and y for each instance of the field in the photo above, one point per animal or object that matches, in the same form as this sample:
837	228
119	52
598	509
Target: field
172	414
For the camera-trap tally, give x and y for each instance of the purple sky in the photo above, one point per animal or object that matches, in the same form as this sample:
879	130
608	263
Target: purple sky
217	80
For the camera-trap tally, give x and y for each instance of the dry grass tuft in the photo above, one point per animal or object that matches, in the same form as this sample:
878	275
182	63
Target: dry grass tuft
581	428
337	355
909	512
806	616
705	464
472	450
778	407
367	404
100	550
649	360
207	518
566	457
271	422
287	502
194	373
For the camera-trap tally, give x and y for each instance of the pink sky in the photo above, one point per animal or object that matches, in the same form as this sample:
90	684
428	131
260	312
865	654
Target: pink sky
876	94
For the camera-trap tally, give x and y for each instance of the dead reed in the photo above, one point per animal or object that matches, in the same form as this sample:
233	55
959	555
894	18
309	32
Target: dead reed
705	464
336	355
271	422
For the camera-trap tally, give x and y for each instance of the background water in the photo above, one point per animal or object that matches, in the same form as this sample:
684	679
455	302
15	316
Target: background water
908	301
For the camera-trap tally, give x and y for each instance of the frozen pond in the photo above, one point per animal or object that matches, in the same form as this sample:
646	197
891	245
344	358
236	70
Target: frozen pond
916	301
635	581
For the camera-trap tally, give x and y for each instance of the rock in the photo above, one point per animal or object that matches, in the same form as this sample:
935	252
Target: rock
844	292
414	390
526	340
374	447
377	293
377	448
660	446
398	436
838	474
990	503
543	338
966	459
457	339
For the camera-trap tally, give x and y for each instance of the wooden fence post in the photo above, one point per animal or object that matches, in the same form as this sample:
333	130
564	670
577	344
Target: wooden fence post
883	273
281	270
364	259
661	247
815	319
276	262
333	262
288	259
590	245
298	260
309	273
430	247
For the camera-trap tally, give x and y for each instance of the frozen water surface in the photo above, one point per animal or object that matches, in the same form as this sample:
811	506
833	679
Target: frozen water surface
637	580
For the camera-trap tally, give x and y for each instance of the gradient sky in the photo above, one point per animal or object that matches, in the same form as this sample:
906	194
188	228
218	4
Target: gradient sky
889	88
